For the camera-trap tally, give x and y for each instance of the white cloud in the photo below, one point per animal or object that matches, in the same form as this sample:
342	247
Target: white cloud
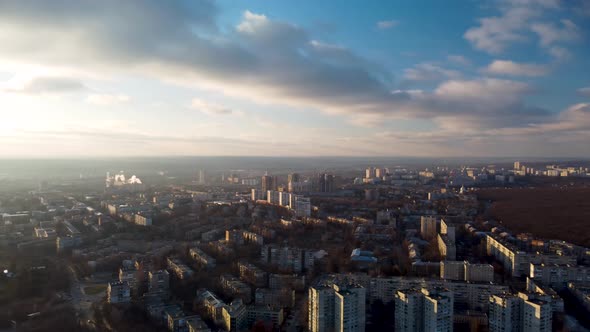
210	108
44	85
511	68
252	22
496	33
459	60
107	99
584	91
263	60
429	72
550	33
518	20
387	24
559	53
488	89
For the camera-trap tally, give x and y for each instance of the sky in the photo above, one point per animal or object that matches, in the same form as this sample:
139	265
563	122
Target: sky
424	78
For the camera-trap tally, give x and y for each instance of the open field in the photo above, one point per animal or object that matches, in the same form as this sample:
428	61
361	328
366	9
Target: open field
557	213
94	290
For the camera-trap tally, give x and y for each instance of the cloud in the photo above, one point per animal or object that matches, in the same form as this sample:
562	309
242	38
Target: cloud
584	91
511	68
209	108
559	53
553	4
262	59
387	24
517	20
494	34
459	60
429	72
107	99
46	85
550	33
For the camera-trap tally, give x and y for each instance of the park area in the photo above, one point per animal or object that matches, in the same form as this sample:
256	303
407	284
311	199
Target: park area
550	213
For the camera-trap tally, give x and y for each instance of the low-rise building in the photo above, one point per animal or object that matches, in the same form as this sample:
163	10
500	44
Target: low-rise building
196	324
288	258
235	288
286	281
181	270
266	314
118	292
158	281
212	304
178	320
143	219
252	274
65	242
274	297
202	258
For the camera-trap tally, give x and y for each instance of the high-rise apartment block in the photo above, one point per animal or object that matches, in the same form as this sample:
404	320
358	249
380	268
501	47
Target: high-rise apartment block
337	308
268	182
325	183
424	310
428	227
523	312
370	173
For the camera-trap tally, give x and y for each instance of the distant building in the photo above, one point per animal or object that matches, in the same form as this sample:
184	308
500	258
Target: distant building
178	321
201	177
517	261
428	227
558	275
465	271
118	292
143	219
181	270
325	183
202	258
290	259
158	281
300	205
446	247
370	173
65	242
363	257
258	194
252	274
235	288
266	314
268	183
293	182
196	324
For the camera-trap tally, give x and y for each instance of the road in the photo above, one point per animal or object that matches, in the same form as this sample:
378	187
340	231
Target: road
81	301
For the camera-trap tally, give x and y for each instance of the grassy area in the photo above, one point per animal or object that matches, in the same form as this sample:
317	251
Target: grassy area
96	289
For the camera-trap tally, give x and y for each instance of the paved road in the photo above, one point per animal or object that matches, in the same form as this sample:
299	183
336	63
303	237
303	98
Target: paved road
81	301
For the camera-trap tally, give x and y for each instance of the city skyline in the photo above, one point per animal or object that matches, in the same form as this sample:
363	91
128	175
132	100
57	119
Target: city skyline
237	78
